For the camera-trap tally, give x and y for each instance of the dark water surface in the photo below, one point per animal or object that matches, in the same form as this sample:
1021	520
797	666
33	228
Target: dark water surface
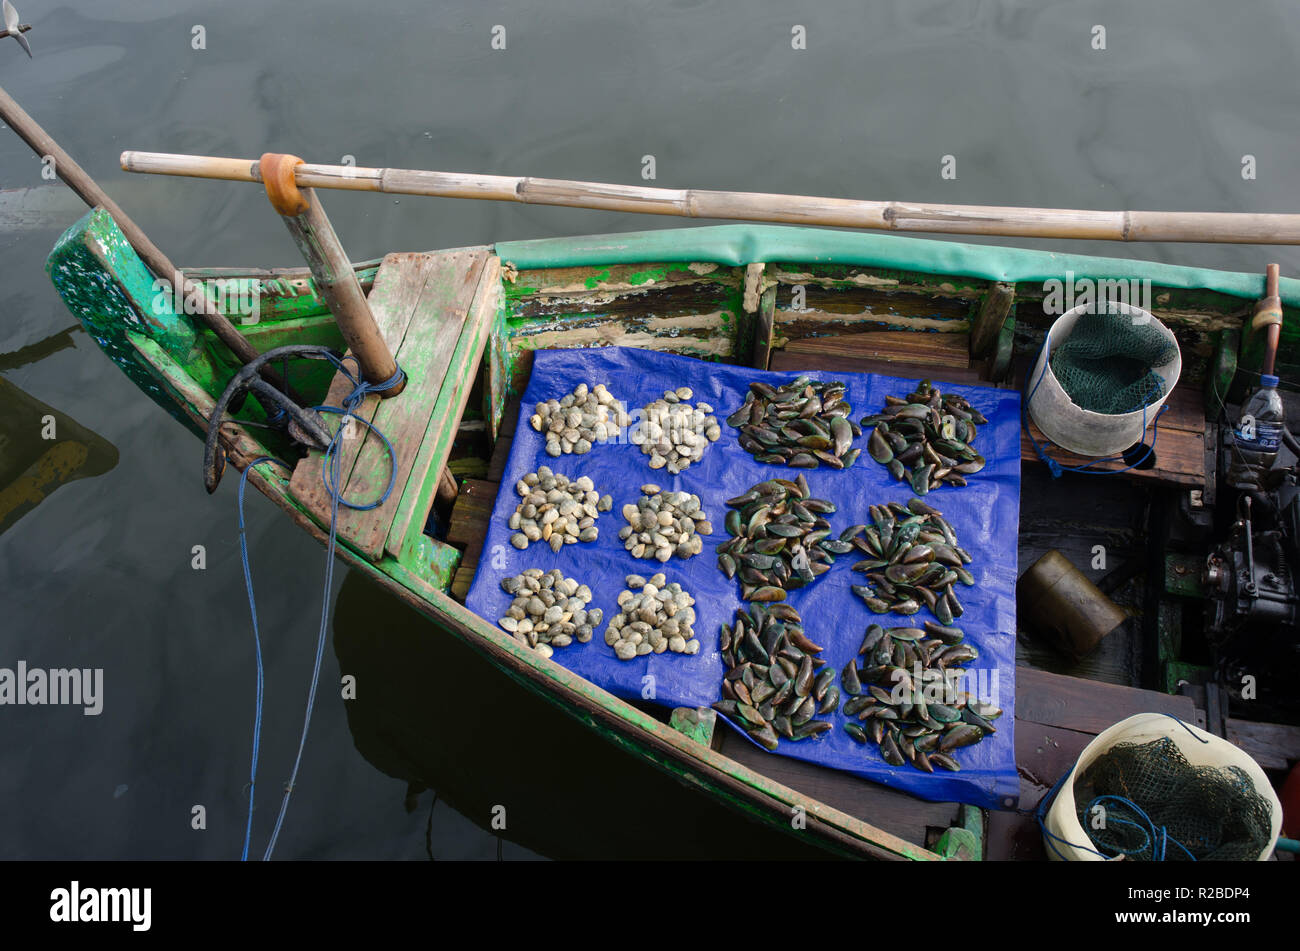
99	574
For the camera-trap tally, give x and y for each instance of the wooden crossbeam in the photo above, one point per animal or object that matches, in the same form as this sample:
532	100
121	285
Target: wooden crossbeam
435	311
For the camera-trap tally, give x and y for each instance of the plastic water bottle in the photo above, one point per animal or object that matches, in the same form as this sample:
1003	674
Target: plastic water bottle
1258	435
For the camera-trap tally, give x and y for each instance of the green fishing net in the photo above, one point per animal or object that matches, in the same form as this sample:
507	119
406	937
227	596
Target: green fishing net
1107	363
1157	806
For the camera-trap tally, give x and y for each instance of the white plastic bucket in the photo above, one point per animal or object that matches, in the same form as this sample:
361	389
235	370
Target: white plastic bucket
1079	430
1072	842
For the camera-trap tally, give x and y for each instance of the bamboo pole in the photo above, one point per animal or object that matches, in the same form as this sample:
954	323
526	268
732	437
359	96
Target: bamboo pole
75	177
1235	228
305	217
1270	308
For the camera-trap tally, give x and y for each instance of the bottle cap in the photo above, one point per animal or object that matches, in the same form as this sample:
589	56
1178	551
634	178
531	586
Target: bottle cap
1268	379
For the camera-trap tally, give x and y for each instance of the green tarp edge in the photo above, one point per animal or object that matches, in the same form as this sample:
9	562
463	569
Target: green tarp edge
737	245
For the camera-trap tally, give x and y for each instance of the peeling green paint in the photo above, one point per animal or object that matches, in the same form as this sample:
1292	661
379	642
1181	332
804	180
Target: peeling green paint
84	266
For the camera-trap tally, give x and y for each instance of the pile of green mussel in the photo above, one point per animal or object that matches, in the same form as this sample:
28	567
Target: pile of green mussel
773	685
908	699
913	561
925	438
803	424
779	539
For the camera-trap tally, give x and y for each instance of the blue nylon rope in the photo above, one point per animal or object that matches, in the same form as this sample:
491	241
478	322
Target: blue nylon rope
1150	830
331	476
257	646
1057	468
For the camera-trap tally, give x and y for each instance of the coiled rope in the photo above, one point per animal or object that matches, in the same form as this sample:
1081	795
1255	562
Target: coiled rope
331	477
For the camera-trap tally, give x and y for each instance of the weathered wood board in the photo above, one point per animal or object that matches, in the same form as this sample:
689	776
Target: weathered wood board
392	301
919	349
425	355
424	306
434	448
1273	745
469	522
1180	447
1179	452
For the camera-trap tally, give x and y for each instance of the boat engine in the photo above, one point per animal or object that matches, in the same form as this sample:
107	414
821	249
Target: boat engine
1252	619
1252	622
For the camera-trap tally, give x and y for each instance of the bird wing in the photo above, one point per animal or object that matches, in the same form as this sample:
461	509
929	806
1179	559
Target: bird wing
11	18
22	41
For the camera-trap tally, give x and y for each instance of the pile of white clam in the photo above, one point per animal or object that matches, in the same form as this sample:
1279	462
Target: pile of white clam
663	524
555	510
656	617
579	420
549	610
673	433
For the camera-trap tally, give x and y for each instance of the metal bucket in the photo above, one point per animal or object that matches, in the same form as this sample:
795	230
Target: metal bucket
1080	430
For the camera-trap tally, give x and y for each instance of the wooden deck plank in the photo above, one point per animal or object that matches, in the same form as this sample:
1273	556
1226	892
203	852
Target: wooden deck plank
501	451
891	353
463	580
1186	412
798	362
1043	755
1180	441
1273	745
469	526
469	518
1179	456
424	354
901	813
919	349
434	447
1012	837
393	298
1088	706
465	525
1180	444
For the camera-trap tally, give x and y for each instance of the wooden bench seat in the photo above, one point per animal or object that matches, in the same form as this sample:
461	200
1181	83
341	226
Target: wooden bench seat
1179	450
1180	453
435	312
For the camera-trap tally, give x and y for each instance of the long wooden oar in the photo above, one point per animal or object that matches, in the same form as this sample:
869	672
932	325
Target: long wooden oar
75	177
754	206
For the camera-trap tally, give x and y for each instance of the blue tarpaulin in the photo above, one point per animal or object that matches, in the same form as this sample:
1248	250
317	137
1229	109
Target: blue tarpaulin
984	514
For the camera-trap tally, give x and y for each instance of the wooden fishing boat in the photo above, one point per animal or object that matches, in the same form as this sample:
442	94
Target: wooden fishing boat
464	323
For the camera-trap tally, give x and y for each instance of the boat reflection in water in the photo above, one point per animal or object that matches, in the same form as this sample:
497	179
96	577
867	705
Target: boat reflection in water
31	465
432	712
